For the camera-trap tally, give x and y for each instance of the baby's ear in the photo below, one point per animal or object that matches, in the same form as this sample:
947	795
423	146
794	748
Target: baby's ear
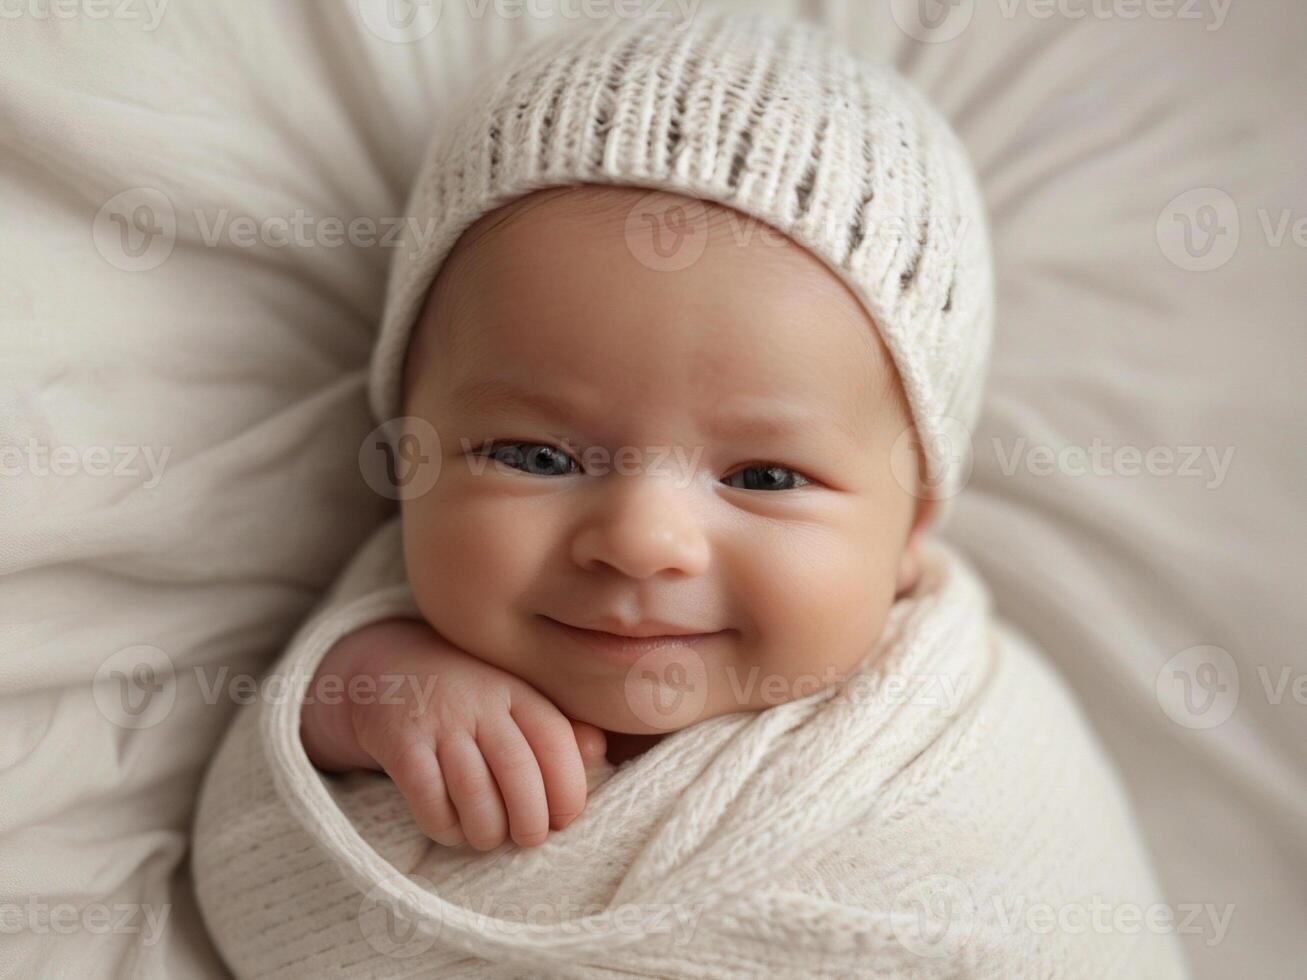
910	560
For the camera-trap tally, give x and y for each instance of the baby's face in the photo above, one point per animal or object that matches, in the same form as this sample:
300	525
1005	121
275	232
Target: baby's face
624	445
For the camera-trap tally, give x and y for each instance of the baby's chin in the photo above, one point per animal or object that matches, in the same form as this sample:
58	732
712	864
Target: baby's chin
618	706
659	702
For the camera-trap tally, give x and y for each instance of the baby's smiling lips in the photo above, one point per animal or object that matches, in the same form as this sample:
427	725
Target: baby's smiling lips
634	639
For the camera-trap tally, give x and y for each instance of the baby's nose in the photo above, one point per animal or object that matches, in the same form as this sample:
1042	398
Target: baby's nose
643	525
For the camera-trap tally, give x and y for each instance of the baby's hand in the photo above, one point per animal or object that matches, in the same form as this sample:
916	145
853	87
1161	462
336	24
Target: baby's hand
478	752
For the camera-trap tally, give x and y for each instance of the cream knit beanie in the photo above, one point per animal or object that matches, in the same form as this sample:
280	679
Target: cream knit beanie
771	117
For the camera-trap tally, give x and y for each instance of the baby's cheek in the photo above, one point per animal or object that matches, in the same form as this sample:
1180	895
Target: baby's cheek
467	562
821	614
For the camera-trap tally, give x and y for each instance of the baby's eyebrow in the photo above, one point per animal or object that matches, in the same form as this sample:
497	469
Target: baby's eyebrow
498	394
775	420
764	418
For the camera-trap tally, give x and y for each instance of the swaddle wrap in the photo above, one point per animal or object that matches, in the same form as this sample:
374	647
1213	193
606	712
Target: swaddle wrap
922	818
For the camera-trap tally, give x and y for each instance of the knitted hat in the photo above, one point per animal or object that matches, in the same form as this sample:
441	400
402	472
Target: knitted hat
770	117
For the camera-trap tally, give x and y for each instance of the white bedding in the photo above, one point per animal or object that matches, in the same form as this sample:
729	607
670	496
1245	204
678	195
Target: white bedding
212	405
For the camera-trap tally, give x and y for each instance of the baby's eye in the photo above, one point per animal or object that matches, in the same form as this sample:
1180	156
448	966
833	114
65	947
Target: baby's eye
769	477
535	458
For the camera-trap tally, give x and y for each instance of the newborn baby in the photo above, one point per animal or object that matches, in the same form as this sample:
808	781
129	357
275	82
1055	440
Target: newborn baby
746	528
669	675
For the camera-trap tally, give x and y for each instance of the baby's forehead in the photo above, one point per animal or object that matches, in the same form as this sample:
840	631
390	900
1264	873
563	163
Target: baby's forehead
665	230
594	272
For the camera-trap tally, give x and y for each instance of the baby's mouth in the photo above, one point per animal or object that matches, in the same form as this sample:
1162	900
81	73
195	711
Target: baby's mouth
627	646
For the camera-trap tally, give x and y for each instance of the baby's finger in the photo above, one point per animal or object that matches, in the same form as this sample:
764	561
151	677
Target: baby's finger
416	774
517	773
472	788
553	741
591	740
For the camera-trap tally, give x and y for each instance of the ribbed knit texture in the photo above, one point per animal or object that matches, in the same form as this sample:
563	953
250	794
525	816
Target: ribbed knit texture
805	840
771	117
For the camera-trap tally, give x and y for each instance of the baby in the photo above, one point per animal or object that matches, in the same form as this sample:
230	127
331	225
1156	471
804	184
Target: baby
683	368
566	561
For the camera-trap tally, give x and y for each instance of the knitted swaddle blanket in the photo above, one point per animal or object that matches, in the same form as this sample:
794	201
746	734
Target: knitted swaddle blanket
927	817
